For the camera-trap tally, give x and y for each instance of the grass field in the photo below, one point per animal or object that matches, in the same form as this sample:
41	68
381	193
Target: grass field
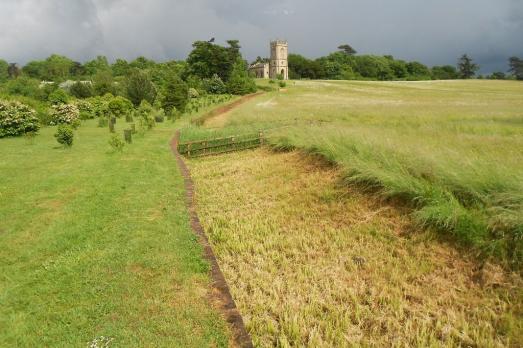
451	150
95	243
312	262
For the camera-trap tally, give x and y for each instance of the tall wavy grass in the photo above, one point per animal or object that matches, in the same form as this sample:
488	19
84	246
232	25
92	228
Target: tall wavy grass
451	150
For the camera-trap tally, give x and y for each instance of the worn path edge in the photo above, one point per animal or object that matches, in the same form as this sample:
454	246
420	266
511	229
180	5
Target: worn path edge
220	292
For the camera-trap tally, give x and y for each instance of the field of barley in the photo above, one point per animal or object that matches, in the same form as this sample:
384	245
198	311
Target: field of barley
450	150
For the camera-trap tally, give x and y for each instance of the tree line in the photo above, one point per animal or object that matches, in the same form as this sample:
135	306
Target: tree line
209	68
345	64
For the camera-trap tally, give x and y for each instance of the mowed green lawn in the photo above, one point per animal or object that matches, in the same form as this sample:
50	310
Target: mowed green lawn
95	243
453	150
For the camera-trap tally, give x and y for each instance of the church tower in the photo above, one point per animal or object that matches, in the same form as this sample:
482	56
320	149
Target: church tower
279	64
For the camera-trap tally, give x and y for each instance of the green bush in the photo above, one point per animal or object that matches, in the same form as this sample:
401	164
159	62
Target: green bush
65	114
120	106
24	86
116	143
58	97
282	84
86	109
214	85
16	119
145	113
82	90
100	107
64	135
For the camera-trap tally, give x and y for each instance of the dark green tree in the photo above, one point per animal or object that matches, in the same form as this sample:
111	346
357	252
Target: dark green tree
207	59
103	83
142	63
99	64
467	68
347	49
240	82
445	72
35	69
418	71
120	67
58	68
175	94
13	70
138	87
82	89
498	75
516	67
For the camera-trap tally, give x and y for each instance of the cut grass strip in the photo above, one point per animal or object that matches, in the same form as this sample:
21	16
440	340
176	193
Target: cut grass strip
313	263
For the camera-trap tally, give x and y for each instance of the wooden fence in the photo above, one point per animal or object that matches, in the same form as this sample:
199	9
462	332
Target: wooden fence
220	145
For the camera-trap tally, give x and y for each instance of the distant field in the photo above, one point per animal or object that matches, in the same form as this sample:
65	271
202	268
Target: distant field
94	243
452	150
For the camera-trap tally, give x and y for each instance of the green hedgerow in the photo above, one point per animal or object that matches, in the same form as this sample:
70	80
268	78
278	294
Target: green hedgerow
64	135
16	119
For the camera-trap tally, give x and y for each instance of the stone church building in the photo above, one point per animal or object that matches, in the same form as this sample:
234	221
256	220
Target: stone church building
277	65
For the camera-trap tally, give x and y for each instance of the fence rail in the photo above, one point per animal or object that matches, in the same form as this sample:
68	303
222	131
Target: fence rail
220	145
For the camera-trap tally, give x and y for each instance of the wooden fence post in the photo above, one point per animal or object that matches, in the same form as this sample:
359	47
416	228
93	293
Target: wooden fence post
111	125
261	138
188	150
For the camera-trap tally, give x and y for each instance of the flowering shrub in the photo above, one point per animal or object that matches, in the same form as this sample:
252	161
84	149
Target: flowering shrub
16	119
65	114
86	109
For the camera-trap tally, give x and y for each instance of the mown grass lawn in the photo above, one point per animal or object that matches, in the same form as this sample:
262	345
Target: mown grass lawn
95	243
450	149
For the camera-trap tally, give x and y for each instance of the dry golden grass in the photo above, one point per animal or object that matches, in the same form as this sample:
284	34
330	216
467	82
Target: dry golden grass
313	263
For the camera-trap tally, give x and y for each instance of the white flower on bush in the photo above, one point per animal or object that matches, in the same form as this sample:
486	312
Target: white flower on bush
65	113
16	119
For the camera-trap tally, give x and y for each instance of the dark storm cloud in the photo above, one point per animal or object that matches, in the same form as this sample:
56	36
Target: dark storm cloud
434	32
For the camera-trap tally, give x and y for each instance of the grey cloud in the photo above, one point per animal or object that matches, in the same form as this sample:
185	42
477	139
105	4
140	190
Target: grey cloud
434	32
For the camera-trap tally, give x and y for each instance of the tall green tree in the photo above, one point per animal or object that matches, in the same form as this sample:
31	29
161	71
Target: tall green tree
142	63
240	82
516	67
207	59
418	71
347	49
138	87
175	93
14	71
120	67
467	68
58	67
99	64
103	83
36	69
445	72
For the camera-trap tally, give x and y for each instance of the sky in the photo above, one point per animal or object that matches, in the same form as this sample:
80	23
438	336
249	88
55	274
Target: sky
434	32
